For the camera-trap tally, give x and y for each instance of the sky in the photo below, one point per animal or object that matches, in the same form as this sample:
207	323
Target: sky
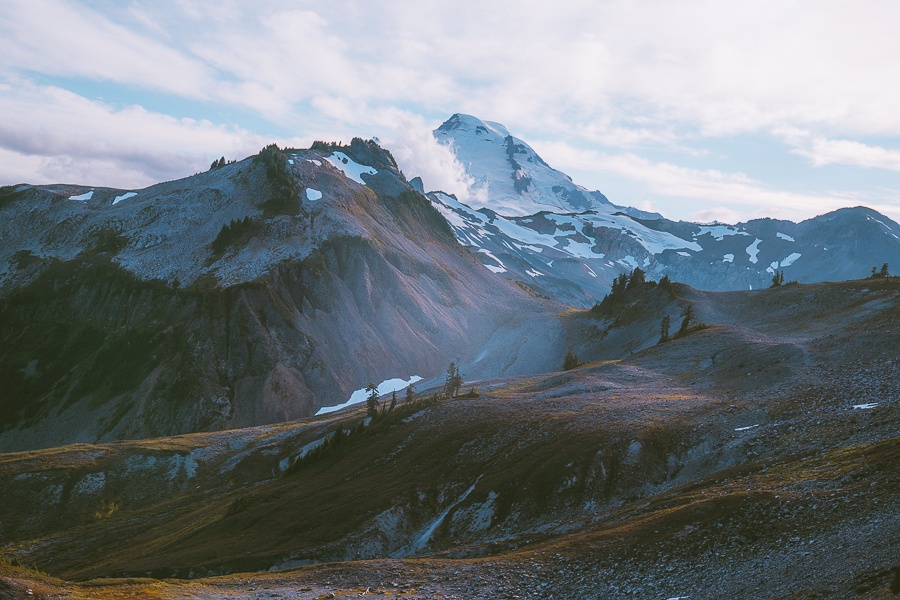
700	110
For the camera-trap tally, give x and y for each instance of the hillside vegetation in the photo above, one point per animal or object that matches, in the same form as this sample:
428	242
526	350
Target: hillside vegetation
755	457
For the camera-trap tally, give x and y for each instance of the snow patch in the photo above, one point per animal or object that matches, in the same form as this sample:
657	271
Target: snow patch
719	231
729	258
83	197
753	250
629	262
534	273
500	269
785	237
312	194
124	196
385	387
746	428
314	161
866	406
351	169
580	249
791	259
684	254
883	224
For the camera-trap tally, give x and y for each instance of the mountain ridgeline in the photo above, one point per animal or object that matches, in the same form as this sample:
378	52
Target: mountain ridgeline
265	289
660	441
254	293
569	243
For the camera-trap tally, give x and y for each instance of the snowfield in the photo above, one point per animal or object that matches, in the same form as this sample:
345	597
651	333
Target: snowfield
385	387
83	197
124	196
351	169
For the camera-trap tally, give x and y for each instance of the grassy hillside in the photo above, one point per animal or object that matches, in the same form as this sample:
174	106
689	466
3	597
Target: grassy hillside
753	458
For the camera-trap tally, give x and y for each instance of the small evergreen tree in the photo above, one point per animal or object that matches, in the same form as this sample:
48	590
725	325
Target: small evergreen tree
688	317
338	436
778	279
570	361
372	400
637	279
393	400
885	271
664	329
453	381
410	394
618	286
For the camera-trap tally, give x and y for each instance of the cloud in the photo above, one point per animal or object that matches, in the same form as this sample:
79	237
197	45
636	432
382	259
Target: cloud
821	151
83	141
420	155
645	77
60	38
713	194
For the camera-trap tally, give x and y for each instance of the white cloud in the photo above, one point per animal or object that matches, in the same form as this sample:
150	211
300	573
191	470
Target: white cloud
713	195
420	155
55	37
822	151
636	76
80	141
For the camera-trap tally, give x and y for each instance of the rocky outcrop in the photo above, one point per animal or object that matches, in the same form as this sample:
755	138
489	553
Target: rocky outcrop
128	321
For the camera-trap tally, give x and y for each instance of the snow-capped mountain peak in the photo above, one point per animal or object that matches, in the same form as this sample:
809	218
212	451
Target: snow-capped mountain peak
516	180
535	225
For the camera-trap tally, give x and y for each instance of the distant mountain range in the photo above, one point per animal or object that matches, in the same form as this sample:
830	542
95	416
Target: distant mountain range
265	289
568	243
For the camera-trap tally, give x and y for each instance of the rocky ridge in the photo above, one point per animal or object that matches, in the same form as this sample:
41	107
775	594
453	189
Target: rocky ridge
541	229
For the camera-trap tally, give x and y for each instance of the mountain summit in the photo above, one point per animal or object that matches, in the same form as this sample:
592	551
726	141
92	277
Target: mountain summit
517	180
533	224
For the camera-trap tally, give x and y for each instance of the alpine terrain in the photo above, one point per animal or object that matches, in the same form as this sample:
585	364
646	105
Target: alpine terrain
611	404
254	293
568	243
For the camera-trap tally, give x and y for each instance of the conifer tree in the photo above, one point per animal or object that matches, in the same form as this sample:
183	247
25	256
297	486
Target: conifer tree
638	276
393	399
664	329
570	361
453	381
688	317
372	400
619	285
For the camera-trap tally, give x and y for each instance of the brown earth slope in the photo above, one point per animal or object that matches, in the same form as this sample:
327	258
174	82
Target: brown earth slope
755	457
142	318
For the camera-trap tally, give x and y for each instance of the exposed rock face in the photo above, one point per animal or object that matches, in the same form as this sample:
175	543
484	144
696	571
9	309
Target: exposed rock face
567	243
250	294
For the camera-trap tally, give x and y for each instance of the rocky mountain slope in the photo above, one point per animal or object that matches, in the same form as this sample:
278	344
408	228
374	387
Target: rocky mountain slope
567	243
753	455
254	293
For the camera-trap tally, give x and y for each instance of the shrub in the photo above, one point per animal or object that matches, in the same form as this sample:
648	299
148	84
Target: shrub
570	361
284	198
232	232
